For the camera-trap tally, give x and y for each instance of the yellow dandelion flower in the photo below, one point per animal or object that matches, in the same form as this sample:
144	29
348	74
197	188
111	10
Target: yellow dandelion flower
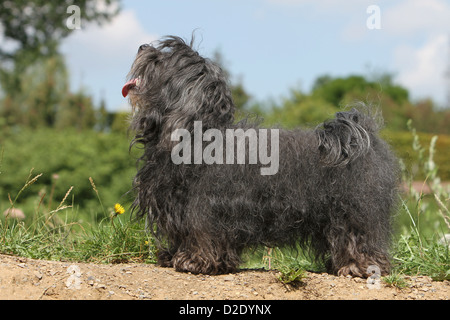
118	208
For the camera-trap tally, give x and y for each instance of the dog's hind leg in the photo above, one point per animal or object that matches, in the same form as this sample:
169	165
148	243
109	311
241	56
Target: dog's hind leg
353	254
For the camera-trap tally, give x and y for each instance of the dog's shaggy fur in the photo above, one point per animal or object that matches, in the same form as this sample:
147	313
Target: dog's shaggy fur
334	192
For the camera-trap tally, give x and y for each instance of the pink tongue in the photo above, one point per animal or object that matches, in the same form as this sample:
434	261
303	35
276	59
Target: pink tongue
129	85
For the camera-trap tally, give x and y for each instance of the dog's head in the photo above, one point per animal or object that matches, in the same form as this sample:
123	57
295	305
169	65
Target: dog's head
170	86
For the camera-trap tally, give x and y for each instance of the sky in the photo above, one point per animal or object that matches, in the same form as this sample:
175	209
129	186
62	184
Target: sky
273	46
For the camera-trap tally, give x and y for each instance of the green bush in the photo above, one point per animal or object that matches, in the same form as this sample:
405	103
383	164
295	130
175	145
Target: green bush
66	158
402	141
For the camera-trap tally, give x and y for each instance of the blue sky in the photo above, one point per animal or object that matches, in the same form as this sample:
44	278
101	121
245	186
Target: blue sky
273	46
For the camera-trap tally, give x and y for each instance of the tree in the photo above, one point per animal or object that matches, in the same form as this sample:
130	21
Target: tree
33	30
77	110
337	90
334	90
46	85
300	109
38	26
238	93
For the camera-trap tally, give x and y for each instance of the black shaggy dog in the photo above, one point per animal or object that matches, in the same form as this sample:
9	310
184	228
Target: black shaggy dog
331	189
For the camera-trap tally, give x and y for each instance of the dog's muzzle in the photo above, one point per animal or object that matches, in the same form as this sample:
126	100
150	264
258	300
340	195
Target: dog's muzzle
130	85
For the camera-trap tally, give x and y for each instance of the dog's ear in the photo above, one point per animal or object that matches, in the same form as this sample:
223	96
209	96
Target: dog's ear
211	105
217	106
202	95
146	125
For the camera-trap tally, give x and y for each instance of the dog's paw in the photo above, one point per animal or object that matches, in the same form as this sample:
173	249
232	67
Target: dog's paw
352	269
165	259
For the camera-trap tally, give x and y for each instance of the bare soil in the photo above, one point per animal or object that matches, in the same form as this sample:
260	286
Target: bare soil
28	279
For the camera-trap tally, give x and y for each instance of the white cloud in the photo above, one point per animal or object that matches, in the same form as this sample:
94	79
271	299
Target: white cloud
323	4
114	41
421	56
99	57
422	69
407	18
418	32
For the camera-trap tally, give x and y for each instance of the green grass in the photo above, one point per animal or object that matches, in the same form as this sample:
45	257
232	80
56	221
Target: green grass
113	240
395	280
58	234
57	228
419	250
414	255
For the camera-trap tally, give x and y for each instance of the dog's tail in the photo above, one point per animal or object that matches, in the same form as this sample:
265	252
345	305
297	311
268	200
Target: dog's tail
348	136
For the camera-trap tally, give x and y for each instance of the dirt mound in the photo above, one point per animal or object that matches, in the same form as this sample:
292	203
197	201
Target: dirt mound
22	278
